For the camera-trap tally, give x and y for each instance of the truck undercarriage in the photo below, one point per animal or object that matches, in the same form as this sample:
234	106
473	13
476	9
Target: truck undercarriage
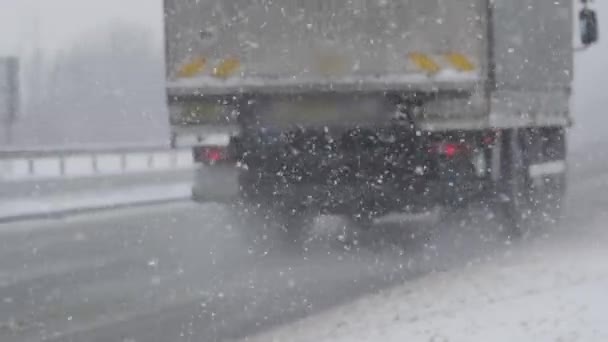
367	172
361	172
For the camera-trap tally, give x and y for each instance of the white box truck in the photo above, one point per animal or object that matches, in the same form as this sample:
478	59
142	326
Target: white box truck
367	107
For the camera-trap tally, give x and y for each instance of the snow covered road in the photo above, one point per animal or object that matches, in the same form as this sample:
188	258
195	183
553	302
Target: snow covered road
59	197
547	291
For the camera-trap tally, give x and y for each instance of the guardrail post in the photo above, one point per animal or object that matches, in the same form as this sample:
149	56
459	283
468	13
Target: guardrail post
173	159
151	161
94	163
123	162
61	166
30	167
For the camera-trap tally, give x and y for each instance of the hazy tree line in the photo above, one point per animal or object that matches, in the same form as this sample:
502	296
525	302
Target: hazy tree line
107	87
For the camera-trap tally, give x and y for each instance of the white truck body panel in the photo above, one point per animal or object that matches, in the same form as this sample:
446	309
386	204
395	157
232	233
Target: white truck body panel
301	42
517	54
532	50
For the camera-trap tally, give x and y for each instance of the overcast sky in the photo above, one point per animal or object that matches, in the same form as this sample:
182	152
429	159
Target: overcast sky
60	21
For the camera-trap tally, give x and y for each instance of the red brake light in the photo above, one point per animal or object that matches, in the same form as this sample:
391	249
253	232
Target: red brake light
211	155
450	150
214	154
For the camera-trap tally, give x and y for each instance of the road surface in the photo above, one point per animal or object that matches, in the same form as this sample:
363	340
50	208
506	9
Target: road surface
186	272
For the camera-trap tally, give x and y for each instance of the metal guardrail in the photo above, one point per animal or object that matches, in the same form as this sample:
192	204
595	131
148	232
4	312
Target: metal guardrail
88	161
65	150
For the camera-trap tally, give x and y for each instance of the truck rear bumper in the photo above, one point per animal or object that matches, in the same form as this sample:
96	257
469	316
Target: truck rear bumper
415	196
446	80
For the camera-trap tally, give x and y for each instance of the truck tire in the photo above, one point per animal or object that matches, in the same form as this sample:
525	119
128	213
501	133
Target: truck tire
514	181
533	178
548	176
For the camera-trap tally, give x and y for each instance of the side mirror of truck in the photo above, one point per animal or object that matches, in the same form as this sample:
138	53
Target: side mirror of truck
588	26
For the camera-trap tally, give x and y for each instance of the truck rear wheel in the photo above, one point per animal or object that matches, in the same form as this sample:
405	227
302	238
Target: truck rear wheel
514	184
547	173
533	179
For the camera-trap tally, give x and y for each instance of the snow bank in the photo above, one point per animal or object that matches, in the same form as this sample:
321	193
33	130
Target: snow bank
18	208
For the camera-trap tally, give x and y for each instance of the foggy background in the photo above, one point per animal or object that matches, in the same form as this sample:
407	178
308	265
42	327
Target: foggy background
92	72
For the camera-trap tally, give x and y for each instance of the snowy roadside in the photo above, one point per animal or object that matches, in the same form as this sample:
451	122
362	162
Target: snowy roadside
546	291
549	288
12	209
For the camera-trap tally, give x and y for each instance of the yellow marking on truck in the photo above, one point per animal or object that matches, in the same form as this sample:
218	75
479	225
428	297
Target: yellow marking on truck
460	62
424	62
192	68
226	68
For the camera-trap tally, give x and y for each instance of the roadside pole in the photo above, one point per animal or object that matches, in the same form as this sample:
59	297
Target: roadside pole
9	97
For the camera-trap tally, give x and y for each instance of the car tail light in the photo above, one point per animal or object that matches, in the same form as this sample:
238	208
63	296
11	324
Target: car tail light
449	149
210	154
